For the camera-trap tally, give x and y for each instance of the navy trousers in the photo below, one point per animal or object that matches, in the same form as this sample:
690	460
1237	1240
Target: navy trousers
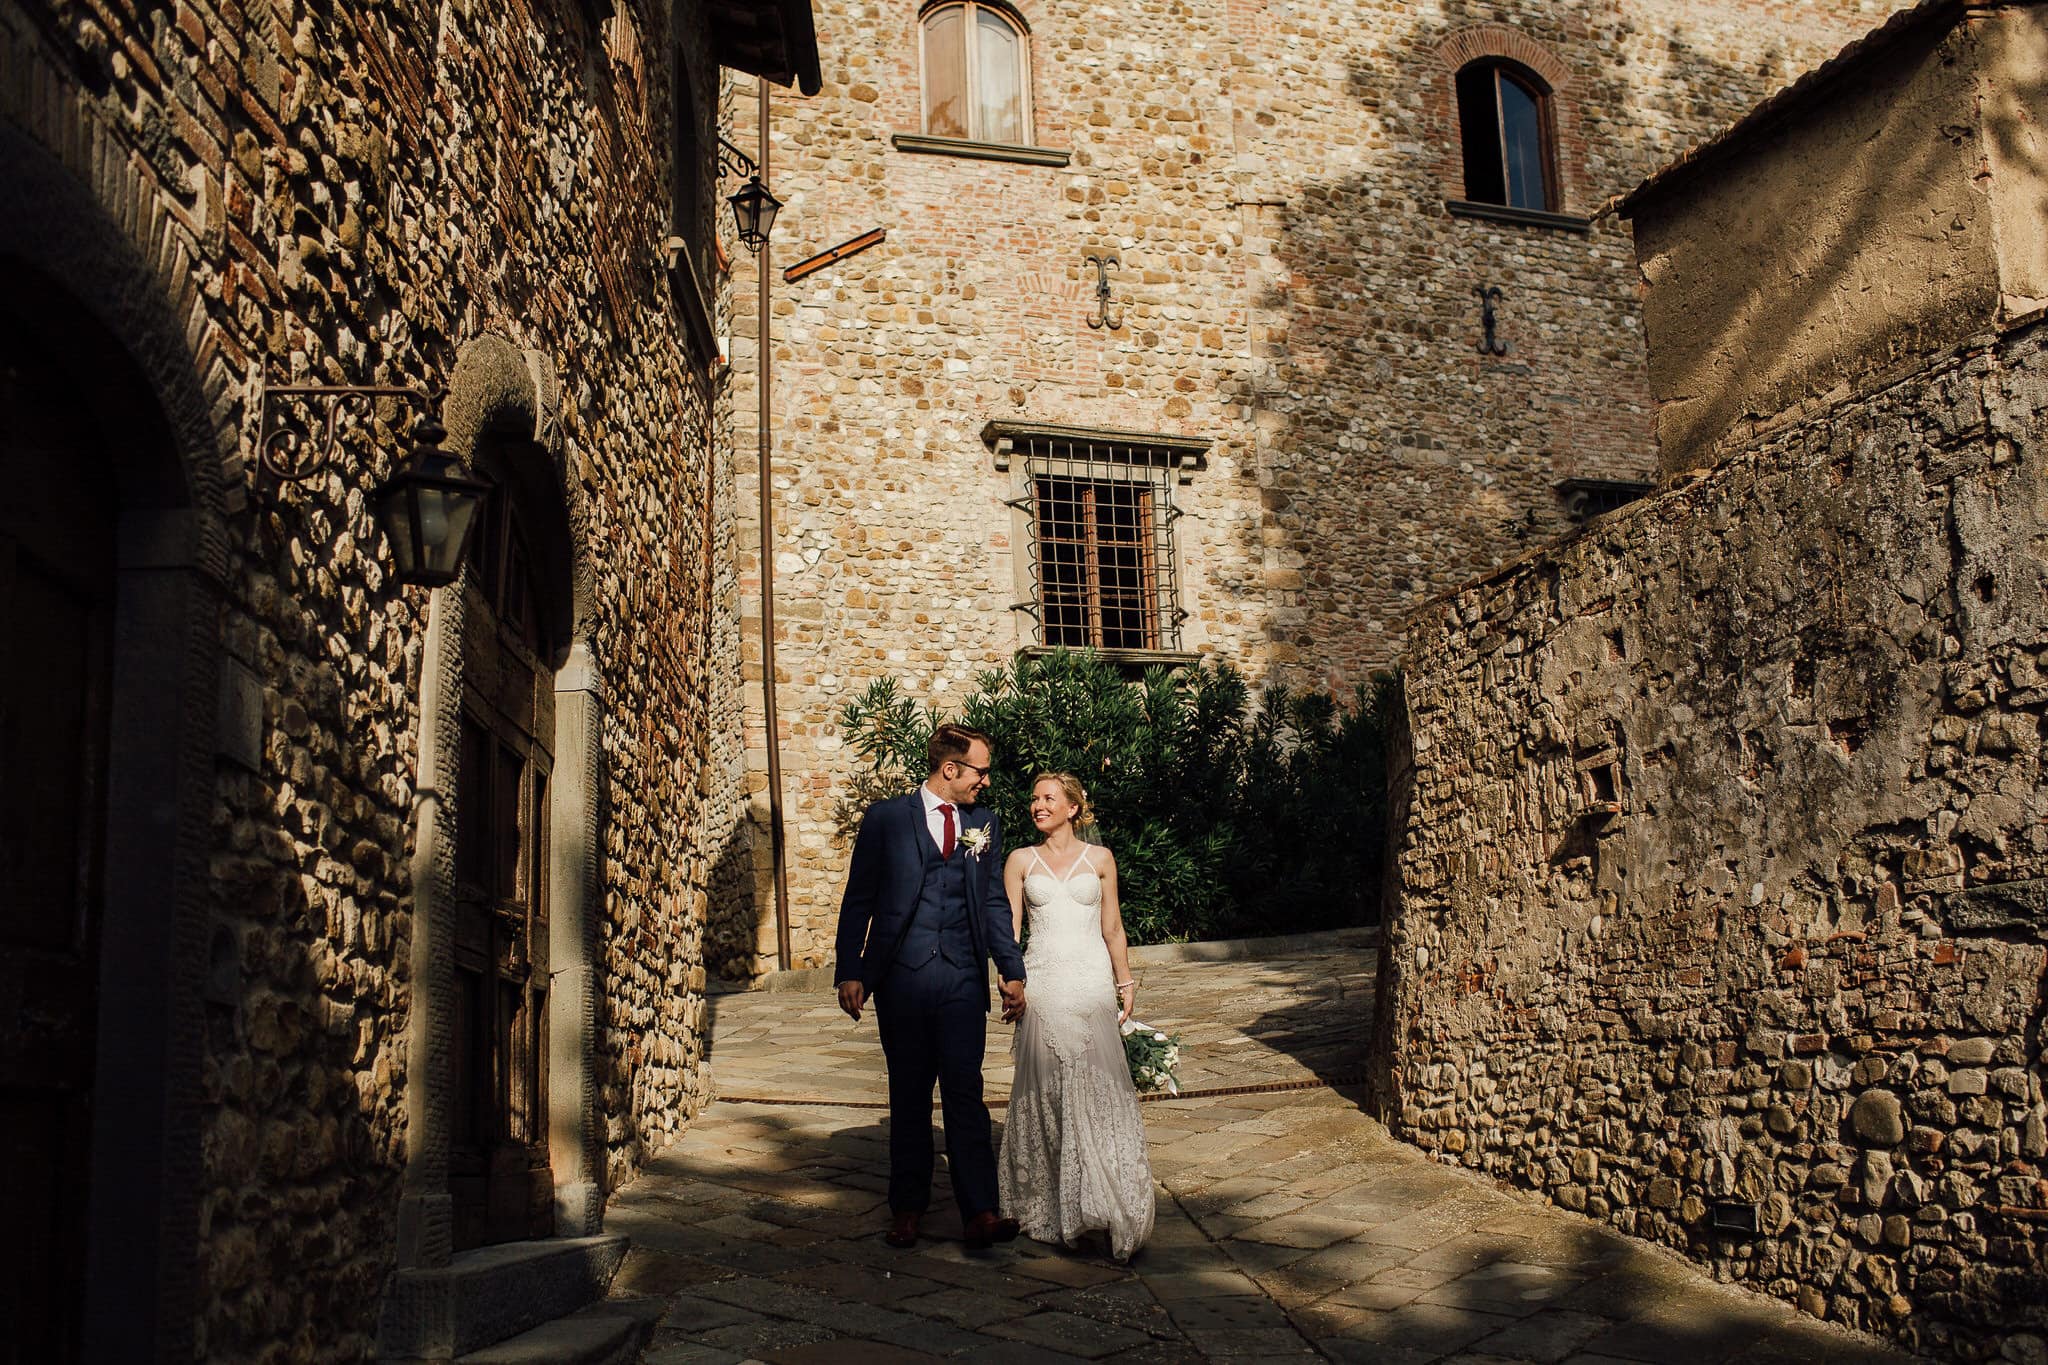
934	1025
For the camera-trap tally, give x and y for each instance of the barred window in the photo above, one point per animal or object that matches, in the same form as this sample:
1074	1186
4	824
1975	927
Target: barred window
1099	510
1585	499
1098	563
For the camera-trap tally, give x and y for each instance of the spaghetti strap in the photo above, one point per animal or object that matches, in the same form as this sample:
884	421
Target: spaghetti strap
1041	861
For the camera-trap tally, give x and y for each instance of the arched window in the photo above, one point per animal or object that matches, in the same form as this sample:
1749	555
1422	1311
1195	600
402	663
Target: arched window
977	74
1504	125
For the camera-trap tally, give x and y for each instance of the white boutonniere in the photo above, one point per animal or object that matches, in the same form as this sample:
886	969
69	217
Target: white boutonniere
975	840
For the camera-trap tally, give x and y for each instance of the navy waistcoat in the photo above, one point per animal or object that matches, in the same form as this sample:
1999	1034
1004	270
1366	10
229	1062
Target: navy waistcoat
939	926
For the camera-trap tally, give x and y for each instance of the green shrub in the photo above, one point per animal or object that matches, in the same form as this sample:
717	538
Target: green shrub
1229	814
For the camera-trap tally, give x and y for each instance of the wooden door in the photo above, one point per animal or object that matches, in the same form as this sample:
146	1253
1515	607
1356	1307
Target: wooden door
56	590
499	1175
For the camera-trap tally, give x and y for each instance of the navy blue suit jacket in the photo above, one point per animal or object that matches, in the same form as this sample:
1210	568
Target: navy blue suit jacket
884	880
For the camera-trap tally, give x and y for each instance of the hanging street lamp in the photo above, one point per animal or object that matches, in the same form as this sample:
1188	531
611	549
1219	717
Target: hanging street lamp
753	213
753	207
427	509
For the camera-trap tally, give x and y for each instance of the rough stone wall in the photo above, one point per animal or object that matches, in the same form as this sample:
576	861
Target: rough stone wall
1272	177
1784	268
1723	866
356	191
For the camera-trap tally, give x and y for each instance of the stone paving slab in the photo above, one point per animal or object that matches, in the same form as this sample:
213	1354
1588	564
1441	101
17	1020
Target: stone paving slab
1290	1225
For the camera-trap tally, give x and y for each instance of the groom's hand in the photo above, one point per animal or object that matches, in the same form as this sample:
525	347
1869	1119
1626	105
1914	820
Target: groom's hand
1013	1000
852	995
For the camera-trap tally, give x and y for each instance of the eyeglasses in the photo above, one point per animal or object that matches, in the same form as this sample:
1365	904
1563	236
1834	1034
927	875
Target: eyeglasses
973	768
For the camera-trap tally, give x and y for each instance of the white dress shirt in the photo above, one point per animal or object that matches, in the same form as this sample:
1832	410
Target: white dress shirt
935	819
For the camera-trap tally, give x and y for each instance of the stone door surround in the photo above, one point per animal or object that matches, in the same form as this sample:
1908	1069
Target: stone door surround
441	1302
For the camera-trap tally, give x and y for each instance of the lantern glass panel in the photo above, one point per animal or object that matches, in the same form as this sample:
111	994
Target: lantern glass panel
393	510
446	518
428	512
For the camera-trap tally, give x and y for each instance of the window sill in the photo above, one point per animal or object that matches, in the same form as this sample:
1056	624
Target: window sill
925	145
1503	213
693	301
1130	660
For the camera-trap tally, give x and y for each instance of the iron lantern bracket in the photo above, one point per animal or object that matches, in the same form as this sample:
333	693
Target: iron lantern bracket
284	449
733	161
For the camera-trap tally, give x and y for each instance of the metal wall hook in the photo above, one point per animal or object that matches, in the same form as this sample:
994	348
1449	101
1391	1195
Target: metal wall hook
1489	295
1102	318
285	449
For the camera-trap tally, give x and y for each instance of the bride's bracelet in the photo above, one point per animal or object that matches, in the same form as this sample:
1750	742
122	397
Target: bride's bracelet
1121	984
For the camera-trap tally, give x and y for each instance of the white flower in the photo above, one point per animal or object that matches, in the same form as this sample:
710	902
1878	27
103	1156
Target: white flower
975	840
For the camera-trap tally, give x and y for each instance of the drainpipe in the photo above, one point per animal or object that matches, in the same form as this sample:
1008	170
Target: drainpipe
762	445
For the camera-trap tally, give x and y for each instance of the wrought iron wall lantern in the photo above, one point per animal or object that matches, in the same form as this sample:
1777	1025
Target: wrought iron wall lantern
1489	297
1102	319
753	207
427	508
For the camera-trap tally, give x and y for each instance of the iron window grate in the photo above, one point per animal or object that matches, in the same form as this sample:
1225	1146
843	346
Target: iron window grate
1101	514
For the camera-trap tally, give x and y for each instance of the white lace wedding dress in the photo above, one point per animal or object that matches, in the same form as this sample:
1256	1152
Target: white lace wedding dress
1073	1157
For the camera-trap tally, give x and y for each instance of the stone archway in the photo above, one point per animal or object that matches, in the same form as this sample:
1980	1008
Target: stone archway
95	278
500	414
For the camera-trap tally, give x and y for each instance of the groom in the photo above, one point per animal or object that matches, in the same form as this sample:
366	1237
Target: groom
924	910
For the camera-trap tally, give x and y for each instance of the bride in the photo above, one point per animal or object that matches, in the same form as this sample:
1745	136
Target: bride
1073	1157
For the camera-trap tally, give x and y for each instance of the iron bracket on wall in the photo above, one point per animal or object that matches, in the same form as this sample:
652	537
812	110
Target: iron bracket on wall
1489	296
733	161
285	450
1102	318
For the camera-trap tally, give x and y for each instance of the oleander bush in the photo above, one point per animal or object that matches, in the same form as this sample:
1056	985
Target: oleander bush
1230	813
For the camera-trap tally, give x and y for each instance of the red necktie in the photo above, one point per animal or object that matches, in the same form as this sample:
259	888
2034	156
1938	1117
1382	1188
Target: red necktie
946	842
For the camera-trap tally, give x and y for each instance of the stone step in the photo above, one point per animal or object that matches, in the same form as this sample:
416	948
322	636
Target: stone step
493	1293
609	1333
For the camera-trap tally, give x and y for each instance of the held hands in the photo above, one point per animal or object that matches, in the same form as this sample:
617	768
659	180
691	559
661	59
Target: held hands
1013	1000
852	995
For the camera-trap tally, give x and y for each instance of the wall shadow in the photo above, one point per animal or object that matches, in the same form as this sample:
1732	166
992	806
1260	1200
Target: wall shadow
1399	460
734	923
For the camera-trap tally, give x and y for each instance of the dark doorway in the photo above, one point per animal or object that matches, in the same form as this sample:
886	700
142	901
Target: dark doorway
56	598
500	1178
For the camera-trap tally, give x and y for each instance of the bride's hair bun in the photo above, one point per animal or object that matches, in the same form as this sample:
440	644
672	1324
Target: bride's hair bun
1075	793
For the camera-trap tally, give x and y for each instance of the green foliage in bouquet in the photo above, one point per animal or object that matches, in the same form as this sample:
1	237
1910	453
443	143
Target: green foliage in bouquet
1230	813
1153	1057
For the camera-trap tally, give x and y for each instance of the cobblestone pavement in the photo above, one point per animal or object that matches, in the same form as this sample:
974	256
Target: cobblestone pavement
1290	1225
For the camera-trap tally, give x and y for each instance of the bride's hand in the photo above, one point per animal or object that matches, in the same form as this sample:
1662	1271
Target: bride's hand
1127	996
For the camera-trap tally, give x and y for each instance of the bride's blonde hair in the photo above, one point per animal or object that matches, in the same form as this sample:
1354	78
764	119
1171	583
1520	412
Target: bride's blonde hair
1076	794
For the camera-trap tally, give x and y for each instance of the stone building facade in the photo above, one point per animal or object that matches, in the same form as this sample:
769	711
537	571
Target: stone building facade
1718	903
1297	306
351	925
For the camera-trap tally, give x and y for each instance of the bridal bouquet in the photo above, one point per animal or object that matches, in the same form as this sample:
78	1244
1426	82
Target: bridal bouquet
1152	1056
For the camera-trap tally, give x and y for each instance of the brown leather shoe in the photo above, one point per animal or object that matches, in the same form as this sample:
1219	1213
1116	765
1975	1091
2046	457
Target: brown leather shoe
987	1227
902	1232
